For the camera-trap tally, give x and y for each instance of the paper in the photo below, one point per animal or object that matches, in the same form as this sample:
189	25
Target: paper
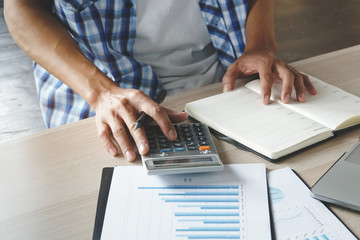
296	215
273	130
331	106
232	204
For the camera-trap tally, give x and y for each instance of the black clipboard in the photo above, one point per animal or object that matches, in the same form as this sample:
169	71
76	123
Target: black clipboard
106	178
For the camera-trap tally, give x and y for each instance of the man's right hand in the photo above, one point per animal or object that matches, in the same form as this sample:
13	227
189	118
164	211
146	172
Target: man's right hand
117	110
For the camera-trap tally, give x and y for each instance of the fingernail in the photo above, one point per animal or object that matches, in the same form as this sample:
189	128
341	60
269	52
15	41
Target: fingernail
172	134
302	97
266	99
129	155
226	87
287	98
112	152
142	148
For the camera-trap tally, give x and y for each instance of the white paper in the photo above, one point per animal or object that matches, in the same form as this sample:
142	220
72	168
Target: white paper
232	204
296	215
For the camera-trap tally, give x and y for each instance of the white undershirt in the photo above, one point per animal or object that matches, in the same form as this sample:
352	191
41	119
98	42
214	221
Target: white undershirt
171	36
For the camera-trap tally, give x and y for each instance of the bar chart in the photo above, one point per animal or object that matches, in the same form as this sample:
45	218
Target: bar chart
232	204
205	211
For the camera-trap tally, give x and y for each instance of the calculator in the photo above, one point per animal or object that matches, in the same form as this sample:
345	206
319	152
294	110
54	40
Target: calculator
193	150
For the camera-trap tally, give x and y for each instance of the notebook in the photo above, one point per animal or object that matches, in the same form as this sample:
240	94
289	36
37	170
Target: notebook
276	130
339	185
232	204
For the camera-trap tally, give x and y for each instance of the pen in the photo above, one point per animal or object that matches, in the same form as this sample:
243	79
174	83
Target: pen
159	98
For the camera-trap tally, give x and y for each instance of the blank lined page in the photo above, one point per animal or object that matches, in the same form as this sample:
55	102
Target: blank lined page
331	106
272	130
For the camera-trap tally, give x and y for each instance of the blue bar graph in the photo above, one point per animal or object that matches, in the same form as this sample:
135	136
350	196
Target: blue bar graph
194	187
210	236
211	206
200	194
322	237
212	200
214	209
214	229
209	214
212	221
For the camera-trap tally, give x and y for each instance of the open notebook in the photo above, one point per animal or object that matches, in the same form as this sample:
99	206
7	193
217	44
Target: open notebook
277	129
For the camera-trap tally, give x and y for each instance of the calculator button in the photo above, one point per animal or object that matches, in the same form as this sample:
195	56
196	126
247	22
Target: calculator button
178	144
152	151
190	144
203	143
203	148
179	149
200	134
192	148
163	150
164	145
186	130
201	138
188	135
163	140
198	129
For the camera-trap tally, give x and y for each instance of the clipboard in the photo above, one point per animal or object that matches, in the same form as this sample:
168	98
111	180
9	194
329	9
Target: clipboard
105	183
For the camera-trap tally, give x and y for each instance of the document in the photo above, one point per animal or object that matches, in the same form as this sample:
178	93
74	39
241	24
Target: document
232	204
296	215
277	129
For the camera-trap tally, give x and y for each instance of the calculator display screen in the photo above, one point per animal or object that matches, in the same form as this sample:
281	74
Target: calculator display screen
184	160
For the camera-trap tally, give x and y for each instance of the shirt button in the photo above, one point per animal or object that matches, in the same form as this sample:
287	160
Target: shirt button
128	4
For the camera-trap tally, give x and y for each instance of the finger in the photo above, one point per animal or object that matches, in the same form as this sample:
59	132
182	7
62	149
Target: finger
175	116
121	136
266	81
287	78
298	84
230	77
158	113
138	134
105	138
308	85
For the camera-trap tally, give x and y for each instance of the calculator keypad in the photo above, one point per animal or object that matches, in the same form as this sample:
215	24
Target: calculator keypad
193	138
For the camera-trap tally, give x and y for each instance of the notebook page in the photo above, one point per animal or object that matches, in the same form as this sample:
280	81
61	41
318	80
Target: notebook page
296	215
272	130
331	106
232	204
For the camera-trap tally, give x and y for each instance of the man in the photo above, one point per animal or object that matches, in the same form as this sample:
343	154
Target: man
106	57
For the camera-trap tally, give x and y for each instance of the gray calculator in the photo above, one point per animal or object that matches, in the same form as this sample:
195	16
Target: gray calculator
193	151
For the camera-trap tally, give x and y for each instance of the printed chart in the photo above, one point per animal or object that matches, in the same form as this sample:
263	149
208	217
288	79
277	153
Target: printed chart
222	205
296	215
204	211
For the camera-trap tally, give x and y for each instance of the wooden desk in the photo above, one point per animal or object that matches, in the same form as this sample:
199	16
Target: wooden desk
50	180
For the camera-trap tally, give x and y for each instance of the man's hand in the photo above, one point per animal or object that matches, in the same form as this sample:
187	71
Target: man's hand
116	113
269	68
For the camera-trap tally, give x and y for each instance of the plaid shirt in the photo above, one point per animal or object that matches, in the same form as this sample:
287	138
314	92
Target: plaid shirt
105	31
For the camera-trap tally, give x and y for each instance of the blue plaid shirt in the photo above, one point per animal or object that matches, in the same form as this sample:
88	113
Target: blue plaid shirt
105	31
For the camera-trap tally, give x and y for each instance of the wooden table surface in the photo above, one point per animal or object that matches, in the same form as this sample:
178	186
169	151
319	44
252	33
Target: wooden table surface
50	180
